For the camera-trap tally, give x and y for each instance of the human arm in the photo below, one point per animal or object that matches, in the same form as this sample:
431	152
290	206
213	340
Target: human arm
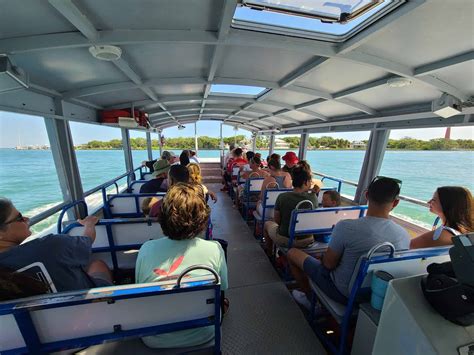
426	240
89	223
277	217
213	196
331	259
287	181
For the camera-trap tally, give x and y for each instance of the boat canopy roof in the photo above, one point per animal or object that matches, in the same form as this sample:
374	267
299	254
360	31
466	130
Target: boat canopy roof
266	66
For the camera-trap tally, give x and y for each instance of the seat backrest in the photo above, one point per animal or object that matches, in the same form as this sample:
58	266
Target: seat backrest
402	264
127	205
67	320
270	196
322	220
38	271
253	185
118	240
136	185
235	171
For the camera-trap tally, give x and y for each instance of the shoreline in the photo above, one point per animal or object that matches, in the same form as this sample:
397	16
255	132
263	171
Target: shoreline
264	149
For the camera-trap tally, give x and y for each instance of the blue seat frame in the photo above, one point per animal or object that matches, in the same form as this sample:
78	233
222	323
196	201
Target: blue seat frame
264	208
246	203
357	290
138	212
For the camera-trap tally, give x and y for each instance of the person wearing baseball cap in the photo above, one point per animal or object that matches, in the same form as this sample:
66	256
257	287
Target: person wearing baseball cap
160	174
291	160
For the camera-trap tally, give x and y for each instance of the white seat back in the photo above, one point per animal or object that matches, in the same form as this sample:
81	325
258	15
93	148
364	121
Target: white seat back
136	186
147	176
255	184
325	218
97	314
127	204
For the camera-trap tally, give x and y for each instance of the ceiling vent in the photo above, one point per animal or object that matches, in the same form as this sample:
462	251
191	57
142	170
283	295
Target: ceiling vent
107	53
399	82
11	78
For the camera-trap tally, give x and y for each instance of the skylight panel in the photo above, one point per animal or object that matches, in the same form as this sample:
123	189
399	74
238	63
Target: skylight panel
334	20
237	90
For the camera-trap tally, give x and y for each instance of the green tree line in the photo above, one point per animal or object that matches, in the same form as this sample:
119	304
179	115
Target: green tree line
205	142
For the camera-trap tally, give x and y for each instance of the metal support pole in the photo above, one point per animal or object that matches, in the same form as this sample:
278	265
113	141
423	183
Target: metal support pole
221	146
127	150
272	144
254	142
148	146
372	162
160	143
304	138
196	147
62	148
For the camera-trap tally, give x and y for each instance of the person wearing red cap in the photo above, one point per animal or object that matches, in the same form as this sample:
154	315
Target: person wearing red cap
291	160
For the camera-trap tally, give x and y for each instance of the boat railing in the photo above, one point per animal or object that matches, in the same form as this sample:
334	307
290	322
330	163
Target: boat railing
352	183
103	187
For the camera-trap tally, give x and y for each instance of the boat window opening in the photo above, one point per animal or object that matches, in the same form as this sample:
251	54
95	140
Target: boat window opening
27	170
237	90
96	169
139	147
333	21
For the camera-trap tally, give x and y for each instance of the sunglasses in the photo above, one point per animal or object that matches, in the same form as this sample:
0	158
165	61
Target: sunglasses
18	218
399	182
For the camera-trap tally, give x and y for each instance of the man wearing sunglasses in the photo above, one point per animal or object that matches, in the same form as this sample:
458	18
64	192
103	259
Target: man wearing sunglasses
351	239
66	259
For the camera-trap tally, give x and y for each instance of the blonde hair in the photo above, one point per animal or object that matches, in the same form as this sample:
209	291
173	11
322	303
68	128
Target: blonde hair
194	173
184	214
147	203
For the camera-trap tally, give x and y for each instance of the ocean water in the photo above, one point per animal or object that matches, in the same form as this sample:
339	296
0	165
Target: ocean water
29	178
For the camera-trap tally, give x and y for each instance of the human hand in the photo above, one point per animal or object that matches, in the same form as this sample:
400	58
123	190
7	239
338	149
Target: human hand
89	221
316	189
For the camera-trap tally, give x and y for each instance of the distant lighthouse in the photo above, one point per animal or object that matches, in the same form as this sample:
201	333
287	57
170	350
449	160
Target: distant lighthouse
447	135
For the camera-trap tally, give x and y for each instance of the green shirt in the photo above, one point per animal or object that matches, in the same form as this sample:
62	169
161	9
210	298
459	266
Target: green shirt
164	259
286	203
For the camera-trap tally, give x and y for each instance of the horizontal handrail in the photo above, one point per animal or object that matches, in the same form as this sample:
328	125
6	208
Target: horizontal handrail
352	183
55	209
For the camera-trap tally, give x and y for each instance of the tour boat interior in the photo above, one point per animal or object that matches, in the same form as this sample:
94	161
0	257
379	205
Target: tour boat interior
270	67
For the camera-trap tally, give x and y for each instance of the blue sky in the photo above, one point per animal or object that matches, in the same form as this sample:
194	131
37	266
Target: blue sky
30	130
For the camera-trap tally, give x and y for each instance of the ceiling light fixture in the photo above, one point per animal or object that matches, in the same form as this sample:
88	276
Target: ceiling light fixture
107	53
399	82
446	106
181	127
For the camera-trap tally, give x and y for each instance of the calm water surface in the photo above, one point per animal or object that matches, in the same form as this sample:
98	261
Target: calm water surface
29	177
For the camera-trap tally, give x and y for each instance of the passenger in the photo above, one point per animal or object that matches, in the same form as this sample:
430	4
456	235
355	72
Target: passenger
159	182
147	205
454	206
184	216
249	155
350	239
229	154
193	158
331	198
276	176
276	231
14	285
177	173
263	162
66	258
196	178
166	155
237	161
184	157
291	160
255	169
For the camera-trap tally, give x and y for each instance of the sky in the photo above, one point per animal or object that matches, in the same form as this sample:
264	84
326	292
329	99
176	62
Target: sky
30	130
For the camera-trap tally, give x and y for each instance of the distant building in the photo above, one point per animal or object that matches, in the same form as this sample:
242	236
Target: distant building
281	144
358	145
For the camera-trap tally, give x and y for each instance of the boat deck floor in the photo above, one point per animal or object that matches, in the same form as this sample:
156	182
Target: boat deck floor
263	318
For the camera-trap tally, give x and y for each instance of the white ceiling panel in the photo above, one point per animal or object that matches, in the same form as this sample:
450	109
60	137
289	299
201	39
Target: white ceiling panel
152	14
300	116
433	31
67	69
113	98
460	76
290	97
158	60
383	97
332	109
179	89
337	74
266	107
260	63
30	17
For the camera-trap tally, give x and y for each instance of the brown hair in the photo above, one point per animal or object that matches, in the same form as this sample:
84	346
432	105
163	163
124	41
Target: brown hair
456	203
274	161
334	195
185	213
147	203
15	285
6	207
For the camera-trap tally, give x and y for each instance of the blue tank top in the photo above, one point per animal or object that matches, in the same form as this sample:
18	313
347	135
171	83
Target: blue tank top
279	180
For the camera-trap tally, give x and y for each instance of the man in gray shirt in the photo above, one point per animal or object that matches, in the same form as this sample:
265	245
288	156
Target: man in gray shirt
350	239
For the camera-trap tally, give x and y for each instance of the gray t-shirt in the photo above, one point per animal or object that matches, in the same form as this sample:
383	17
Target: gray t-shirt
64	257
353	238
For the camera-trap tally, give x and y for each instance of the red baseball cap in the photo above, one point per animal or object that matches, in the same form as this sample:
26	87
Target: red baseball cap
290	157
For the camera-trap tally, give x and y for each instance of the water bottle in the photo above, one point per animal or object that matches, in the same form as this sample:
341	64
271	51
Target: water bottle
379	285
